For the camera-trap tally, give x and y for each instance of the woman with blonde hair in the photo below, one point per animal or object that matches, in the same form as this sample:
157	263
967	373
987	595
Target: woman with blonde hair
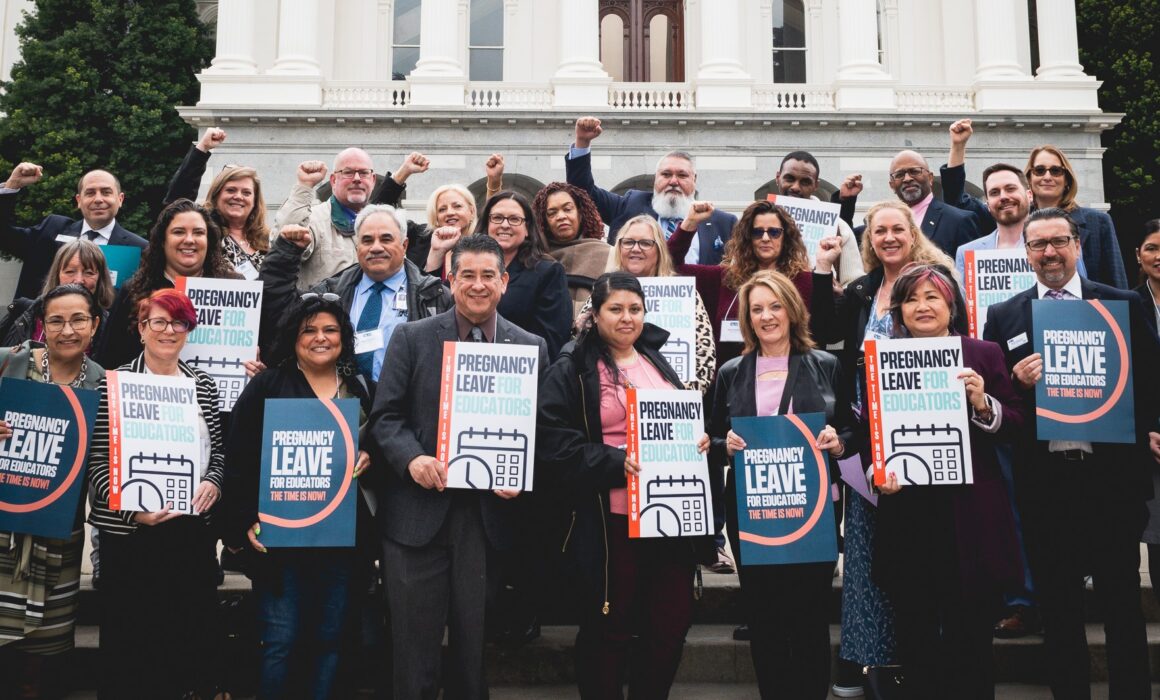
892	240
234	201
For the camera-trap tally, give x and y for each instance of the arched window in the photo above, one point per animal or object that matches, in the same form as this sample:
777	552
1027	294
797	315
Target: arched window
485	42
789	42
405	39
643	40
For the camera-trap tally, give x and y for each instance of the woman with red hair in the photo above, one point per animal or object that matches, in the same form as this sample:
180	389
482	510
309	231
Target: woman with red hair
158	569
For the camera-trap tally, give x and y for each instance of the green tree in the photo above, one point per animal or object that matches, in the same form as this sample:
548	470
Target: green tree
96	87
1117	41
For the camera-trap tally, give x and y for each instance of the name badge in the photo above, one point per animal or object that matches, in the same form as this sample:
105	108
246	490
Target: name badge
1017	341
401	300
247	270
65	238
872	335
368	341
731	331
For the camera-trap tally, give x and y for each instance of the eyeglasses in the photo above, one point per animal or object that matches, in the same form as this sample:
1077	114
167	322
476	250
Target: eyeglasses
1055	170
351	173
1040	244
913	173
78	323
325	296
643	243
499	219
758	233
158	325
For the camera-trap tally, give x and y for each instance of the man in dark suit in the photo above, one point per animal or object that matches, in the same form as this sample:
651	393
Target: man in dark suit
99	197
913	182
674	189
438	544
1082	504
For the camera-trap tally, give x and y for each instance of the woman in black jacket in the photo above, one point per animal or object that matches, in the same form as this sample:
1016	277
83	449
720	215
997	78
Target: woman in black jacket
780	372
302	593
580	453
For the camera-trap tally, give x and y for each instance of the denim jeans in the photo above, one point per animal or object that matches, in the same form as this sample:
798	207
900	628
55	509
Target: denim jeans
302	605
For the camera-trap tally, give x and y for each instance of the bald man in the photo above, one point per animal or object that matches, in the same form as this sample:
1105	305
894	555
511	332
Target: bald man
99	199
331	223
913	182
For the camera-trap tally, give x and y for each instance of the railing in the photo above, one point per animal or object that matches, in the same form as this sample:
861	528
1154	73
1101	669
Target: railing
957	100
508	96
793	98
366	95
650	96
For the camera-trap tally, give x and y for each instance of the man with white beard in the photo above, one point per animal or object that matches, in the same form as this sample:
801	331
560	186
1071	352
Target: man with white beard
674	189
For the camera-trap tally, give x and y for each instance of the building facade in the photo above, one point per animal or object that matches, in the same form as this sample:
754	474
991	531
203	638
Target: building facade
738	83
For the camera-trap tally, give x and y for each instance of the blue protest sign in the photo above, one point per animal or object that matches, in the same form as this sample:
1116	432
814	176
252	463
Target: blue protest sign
784	510
42	465
307	493
123	261
1086	390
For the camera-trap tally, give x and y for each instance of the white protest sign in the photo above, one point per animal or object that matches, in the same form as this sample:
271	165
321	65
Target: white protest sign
993	276
814	218
671	303
228	313
487	415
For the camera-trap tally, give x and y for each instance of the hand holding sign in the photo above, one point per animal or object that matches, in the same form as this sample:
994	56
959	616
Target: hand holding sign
428	472
829	441
1029	370
252	535
631	467
363	464
891	485
5	431
155	518
1154	445
206	495
733	443
976	389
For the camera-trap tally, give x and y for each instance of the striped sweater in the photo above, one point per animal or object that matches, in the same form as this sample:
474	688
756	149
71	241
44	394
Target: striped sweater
121	522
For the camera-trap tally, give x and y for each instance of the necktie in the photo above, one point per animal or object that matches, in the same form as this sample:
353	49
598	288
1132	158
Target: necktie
92	235
1058	294
477	335
369	320
670	226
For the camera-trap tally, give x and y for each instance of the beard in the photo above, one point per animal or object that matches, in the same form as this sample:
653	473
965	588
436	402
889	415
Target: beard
671	205
912	194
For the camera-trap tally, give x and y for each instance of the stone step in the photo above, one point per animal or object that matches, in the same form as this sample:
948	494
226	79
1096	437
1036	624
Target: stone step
711	656
720	601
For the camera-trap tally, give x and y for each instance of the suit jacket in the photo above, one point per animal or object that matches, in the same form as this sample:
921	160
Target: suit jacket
405	422
615	209
1146	296
946	226
537	301
37	245
1097	234
1119	472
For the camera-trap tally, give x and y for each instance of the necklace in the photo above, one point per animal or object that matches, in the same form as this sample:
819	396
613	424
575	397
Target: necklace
337	380
46	371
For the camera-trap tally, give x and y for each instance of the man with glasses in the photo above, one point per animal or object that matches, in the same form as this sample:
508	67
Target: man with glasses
674	190
380	291
913	183
1082	504
331	247
99	198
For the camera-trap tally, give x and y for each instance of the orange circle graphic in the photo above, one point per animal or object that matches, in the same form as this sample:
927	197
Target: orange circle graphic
819	507
77	465
1121	381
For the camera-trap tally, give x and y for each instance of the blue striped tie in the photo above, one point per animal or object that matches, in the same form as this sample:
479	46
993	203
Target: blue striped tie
369	320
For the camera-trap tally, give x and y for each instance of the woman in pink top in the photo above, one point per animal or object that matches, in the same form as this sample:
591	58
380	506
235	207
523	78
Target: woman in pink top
779	372
639	588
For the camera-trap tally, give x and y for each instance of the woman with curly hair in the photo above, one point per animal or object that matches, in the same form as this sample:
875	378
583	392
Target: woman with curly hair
764	238
184	242
234	201
575	233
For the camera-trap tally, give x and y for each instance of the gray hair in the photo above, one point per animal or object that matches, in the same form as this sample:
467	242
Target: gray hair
683	155
371	209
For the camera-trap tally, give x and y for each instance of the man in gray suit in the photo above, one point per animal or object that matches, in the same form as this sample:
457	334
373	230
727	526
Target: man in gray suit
438	543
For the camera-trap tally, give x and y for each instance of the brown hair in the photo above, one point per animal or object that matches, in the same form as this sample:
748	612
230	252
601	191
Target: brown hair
91	257
740	259
255	230
791	300
921	250
1067	201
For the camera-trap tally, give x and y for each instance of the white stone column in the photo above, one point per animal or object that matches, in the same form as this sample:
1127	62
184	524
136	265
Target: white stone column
439	78
997	44
1058	44
861	82
297	38
235	39
580	79
722	81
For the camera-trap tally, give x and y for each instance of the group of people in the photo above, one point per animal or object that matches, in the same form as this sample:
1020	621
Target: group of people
358	301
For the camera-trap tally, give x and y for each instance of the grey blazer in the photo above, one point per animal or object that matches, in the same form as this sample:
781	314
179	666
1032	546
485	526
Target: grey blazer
404	423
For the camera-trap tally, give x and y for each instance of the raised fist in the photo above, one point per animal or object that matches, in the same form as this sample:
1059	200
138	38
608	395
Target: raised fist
698	212
23	175
211	139
415	162
587	130
494	169
851	186
311	172
298	235
961	131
